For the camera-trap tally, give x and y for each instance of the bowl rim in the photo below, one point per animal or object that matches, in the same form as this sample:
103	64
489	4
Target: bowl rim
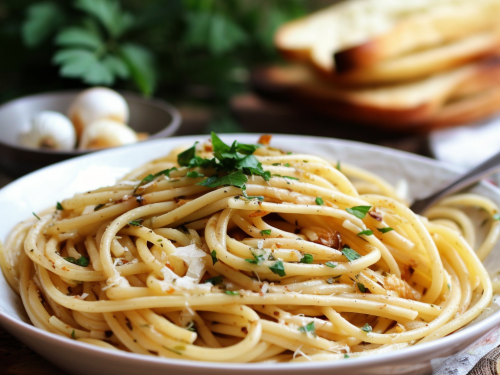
170	129
394	357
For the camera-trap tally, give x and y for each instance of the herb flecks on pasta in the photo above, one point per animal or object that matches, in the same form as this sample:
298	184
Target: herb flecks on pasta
245	253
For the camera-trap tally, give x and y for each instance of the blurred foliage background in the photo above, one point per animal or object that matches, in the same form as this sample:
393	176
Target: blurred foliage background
197	51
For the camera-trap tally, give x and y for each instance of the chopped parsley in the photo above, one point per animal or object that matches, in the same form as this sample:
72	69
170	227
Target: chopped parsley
289	177
59	206
278	268
165	172
496	217
144	181
194	174
82	261
319	201
367	328
265	232
346	356
449	286
257	259
385	230
36	216
99	206
308	259
232	163
309	328
361	287
73	336
359	211
350	254
338	165
287	165
214	257
232	293
215	280
366	232
330	264
136	223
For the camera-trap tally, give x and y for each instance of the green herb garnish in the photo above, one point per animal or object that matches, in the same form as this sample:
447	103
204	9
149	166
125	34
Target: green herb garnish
214	257
367	328
215	280
257	259
82	261
330	264
307	258
136	223
319	201
366	232
309	328
59	206
361	287
350	254
232	293
99	206
359	211
194	174
265	232
73	336
165	172
338	165
496	217
385	230
278	268
36	216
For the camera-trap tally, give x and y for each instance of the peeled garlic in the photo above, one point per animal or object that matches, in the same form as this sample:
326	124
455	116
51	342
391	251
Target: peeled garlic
97	103
107	133
50	130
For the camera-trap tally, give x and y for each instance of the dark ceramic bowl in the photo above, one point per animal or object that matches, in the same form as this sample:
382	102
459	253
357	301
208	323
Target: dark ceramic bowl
155	117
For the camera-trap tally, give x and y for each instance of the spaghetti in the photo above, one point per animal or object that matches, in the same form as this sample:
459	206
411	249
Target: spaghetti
246	254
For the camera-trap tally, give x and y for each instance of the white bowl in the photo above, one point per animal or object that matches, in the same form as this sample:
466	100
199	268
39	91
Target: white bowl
44	188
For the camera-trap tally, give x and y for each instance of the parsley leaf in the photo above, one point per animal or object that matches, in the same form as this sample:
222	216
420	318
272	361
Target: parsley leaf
278	268
165	172
257	259
308	259
99	206
214	257
59	206
82	261
366	232
330	264
232	293
359	211
144	181
309	328
496	217
319	201
338	165
73	336
385	230
361	287
215	280
237	179
350	254
194	174
185	157
346	356
265	232
367	328
36	216
136	223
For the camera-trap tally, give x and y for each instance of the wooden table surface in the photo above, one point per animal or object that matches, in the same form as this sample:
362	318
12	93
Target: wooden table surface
256	116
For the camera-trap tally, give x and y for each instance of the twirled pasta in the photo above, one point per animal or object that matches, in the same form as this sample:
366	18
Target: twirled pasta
300	266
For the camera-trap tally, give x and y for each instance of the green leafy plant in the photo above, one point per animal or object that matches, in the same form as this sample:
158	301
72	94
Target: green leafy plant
94	51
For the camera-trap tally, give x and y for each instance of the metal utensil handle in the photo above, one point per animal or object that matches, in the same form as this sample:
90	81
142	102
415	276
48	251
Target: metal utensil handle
471	177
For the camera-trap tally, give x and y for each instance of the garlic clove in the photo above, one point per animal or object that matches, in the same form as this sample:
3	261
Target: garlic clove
50	130
107	133
96	104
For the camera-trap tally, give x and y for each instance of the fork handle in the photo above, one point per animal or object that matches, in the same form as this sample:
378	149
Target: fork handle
471	177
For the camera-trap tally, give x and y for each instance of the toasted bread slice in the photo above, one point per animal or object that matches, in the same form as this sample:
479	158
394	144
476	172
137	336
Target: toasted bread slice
424	63
404	104
467	110
348	24
421	31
